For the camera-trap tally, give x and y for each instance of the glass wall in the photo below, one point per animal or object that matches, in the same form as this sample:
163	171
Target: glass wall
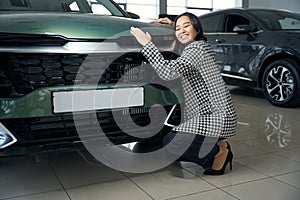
200	7
149	9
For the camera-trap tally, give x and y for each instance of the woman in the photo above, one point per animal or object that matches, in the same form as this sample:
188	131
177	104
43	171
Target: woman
209	114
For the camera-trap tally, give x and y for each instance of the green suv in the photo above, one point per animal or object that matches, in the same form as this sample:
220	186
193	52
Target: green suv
67	59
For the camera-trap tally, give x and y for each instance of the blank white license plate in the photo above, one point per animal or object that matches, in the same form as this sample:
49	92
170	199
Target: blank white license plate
73	101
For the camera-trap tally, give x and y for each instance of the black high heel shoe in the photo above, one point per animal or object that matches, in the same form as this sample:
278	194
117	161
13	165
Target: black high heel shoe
221	171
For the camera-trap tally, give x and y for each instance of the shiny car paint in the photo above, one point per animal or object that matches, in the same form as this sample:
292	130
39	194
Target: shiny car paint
48	51
256	55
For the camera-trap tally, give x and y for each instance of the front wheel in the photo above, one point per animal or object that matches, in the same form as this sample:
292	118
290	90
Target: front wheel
281	83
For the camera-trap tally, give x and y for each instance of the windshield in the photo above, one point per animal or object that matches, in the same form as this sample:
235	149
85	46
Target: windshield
278	20
100	7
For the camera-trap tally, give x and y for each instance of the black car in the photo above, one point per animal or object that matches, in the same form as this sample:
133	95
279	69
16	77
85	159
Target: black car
258	48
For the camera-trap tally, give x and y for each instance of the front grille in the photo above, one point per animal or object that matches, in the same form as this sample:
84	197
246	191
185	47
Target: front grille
62	127
12	39
5	85
27	72
22	73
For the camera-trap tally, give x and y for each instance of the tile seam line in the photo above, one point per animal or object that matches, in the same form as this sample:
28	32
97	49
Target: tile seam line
30	194
221	188
61	184
132	181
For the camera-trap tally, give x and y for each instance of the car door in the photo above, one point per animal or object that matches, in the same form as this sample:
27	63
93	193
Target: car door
236	50
211	25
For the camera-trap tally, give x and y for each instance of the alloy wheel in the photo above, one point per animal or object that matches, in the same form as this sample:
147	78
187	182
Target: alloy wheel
280	83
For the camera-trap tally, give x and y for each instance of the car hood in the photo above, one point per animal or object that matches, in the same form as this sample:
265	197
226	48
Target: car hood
73	25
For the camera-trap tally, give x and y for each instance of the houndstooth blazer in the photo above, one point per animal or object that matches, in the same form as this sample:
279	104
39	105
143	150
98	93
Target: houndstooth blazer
209	109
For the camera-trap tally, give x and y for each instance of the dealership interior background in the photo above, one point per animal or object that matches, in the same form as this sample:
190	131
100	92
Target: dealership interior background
151	9
265	167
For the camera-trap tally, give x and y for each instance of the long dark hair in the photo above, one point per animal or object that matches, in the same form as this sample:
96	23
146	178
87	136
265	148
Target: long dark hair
195	23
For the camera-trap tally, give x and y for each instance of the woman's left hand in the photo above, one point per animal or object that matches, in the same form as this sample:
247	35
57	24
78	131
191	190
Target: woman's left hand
165	21
142	37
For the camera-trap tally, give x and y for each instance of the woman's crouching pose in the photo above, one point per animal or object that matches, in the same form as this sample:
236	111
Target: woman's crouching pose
209	114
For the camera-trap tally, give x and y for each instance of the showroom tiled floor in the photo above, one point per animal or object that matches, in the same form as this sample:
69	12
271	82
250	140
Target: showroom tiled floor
266	166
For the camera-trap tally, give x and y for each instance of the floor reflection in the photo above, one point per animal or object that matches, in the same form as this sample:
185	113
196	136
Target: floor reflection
278	125
278	131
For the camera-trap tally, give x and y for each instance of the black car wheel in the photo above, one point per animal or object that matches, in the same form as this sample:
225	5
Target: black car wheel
281	83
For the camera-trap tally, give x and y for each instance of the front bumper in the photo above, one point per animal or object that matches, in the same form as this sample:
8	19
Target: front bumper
31	119
31	75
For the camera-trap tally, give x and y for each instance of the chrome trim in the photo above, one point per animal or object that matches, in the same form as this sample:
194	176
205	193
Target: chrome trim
9	134
70	47
236	77
230	33
221	33
169	115
79	48
227	33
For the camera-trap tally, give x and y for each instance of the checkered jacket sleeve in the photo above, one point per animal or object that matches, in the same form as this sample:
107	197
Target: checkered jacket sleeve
208	109
171	69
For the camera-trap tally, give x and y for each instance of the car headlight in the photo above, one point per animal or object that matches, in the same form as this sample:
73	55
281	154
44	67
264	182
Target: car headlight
6	138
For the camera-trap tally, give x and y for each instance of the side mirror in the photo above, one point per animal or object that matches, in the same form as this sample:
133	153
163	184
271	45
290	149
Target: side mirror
243	28
133	15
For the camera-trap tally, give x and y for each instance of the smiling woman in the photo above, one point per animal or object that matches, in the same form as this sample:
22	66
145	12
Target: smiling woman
209	114
188	30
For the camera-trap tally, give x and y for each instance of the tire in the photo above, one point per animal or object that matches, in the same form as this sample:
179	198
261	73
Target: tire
281	83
